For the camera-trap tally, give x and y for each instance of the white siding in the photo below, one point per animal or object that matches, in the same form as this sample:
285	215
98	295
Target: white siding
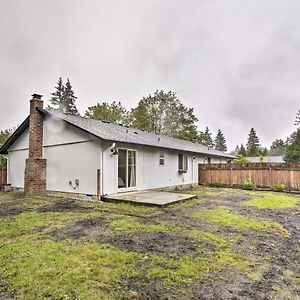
22	142
149	173
16	168
66	163
71	154
57	132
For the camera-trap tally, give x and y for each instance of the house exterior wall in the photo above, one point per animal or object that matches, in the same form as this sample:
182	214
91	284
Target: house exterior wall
74	154
149	173
70	152
16	167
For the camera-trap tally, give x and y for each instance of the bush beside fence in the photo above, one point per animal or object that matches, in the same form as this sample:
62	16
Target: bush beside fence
265	175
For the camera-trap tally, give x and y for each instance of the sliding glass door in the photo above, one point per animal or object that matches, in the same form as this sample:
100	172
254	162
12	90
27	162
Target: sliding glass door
126	169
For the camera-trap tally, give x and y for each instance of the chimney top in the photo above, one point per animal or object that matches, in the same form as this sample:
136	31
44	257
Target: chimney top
37	96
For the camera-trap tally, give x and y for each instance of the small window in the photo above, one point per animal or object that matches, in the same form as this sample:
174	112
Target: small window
161	158
182	163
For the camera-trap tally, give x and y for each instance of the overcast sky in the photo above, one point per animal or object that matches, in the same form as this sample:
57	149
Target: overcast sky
237	62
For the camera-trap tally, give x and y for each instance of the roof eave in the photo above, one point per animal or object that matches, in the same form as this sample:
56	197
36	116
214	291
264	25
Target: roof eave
18	132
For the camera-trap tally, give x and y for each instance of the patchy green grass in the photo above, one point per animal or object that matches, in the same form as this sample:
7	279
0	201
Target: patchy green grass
226	217
218	240
37	269
38	263
273	201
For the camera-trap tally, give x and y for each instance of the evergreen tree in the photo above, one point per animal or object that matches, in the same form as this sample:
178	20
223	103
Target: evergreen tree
58	96
236	150
297	122
253	144
293	148
277	147
69	99
242	151
220	141
4	135
205	138
113	112
63	99
163	113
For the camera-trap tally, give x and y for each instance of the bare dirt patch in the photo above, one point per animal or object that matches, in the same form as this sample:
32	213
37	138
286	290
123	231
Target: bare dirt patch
157	243
166	244
64	206
13	208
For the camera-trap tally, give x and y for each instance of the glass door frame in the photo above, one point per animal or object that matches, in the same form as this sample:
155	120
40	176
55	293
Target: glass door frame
132	188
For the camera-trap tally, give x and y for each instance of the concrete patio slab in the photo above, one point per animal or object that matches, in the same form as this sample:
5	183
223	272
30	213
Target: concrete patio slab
149	197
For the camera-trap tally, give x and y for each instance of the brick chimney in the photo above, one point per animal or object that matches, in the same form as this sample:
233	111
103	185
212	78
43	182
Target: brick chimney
35	169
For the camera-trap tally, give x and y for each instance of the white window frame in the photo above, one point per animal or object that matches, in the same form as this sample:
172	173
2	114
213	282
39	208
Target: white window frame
161	159
183	163
133	188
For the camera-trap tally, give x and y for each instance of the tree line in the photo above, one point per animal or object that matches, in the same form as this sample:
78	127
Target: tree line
163	113
289	149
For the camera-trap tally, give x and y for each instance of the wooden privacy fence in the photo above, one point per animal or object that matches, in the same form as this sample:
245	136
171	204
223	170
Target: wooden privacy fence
265	175
3	175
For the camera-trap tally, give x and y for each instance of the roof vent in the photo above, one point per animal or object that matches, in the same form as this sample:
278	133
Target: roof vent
135	132
158	139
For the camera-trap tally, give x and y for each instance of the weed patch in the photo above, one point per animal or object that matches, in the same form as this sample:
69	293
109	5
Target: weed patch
273	201
226	217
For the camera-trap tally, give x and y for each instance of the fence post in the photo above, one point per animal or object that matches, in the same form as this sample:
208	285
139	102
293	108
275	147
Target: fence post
270	177
231	176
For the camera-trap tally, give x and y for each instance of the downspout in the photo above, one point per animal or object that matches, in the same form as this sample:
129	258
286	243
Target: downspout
102	165
7	168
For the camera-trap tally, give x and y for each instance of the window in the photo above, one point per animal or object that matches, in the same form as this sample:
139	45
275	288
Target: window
161	158
182	162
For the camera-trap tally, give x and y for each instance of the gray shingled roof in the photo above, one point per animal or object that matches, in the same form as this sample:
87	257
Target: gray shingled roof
121	133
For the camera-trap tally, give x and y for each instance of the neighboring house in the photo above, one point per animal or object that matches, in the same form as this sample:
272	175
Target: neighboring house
59	152
271	159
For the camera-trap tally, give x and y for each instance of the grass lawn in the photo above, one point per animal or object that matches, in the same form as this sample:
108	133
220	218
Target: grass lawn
220	245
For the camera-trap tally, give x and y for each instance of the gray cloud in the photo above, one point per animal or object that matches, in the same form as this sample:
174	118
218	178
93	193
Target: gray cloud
235	62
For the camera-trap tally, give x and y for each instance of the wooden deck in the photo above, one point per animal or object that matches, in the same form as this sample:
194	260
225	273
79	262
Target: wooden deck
149	197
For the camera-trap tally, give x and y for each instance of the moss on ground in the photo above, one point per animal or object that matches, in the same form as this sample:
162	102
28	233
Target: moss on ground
226	217
273	201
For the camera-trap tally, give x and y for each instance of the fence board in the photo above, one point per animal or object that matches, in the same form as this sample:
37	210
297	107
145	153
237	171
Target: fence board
261	174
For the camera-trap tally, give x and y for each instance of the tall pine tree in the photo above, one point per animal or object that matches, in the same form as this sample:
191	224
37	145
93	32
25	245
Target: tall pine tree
292	153
205	138
297	122
242	151
220	141
253	144
63	99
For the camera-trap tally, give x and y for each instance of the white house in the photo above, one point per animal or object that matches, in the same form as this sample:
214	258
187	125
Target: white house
98	157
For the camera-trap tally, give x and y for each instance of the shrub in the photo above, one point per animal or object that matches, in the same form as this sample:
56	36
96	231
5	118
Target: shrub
218	184
279	187
248	185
